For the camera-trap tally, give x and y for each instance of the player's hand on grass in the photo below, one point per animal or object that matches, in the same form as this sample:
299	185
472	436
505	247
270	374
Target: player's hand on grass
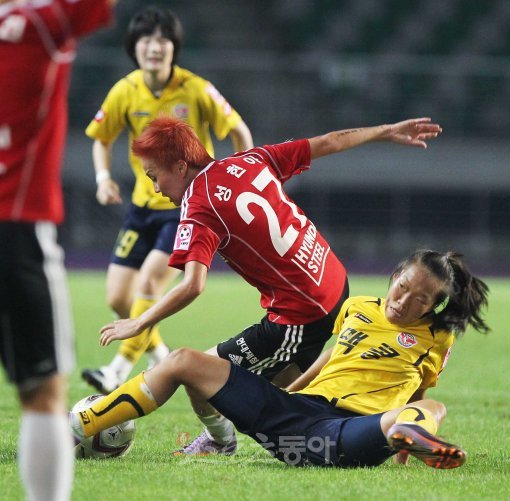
413	132
108	192
120	329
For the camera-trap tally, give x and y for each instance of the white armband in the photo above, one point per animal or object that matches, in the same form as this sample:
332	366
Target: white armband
102	175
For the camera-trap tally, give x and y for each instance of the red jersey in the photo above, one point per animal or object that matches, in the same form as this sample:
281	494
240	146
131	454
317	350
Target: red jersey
37	46
237	206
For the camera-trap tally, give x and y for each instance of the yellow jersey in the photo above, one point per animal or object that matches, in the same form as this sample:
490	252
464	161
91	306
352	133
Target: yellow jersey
131	104
375	365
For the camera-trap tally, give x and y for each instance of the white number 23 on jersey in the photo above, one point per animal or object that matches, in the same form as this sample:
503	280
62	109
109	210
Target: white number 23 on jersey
282	241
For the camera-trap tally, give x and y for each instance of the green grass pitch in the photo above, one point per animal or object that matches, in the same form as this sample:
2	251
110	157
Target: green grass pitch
474	387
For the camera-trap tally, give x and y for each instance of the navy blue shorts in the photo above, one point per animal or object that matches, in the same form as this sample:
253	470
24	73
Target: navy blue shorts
144	230
300	429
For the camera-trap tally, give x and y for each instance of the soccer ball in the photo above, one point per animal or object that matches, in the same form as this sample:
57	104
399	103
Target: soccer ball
112	442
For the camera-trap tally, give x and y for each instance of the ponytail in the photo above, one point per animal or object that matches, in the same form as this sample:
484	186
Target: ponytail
468	299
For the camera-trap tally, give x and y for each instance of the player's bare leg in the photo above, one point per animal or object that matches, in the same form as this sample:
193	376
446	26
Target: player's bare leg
219	434
201	372
146	392
287	376
120	288
153	278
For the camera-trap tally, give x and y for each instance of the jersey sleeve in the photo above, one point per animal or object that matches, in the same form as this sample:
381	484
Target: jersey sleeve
436	361
110	120
217	111
85	16
287	159
193	242
342	315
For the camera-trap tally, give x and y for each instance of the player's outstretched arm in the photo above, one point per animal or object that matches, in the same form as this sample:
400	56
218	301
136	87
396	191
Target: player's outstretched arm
241	137
413	132
180	296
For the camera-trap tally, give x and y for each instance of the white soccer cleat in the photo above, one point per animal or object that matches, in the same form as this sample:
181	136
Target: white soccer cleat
203	445
156	355
105	379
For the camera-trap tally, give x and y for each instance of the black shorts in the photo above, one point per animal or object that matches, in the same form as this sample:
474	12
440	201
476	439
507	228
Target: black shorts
145	230
36	331
266	348
300	429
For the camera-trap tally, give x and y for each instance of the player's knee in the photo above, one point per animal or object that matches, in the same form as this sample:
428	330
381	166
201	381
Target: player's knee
46	397
119	303
179	362
147	284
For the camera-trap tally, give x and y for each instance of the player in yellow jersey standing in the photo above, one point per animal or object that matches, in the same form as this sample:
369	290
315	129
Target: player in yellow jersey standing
138	271
361	402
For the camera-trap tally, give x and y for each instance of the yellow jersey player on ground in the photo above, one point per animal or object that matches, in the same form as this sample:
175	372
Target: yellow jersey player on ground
360	403
138	271
406	360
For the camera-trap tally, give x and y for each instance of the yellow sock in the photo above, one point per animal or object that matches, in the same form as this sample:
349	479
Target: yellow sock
155	339
419	416
130	401
133	348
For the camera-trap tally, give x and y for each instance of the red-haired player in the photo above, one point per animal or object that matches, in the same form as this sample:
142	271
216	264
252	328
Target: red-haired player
237	207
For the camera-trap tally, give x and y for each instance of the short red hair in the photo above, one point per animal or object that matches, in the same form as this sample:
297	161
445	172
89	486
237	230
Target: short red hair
166	140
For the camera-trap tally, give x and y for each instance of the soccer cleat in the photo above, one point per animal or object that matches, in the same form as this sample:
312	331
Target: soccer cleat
204	446
428	448
105	380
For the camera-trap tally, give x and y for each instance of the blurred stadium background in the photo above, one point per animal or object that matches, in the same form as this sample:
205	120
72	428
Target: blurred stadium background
298	68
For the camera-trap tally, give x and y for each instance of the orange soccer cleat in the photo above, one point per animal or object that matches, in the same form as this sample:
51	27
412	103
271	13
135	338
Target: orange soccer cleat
428	448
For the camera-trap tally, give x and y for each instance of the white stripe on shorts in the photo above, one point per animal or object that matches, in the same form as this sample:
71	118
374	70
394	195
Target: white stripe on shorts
54	270
293	338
